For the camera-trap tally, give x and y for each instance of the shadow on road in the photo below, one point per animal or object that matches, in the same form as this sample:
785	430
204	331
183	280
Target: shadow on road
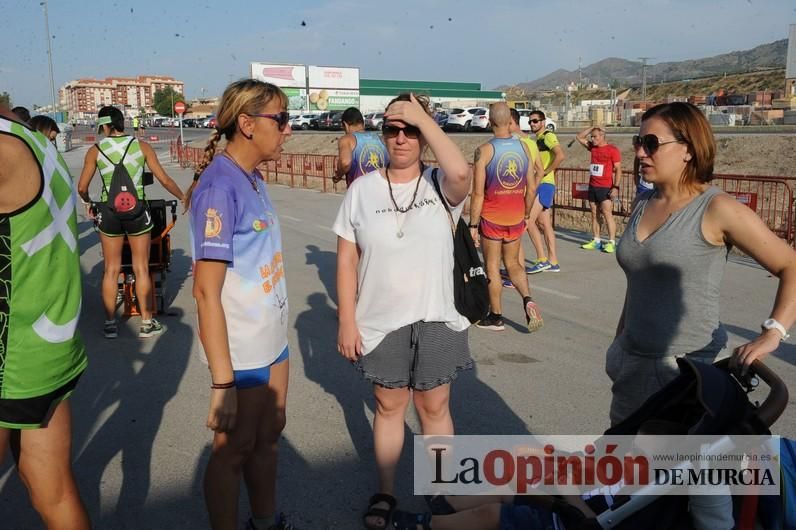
476	409
117	412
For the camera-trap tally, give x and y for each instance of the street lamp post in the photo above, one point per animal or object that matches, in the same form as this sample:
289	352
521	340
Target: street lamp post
49	53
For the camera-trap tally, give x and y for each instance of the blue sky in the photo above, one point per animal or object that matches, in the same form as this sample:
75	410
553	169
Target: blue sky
207	44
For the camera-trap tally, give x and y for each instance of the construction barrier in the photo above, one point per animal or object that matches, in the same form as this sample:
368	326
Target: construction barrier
772	198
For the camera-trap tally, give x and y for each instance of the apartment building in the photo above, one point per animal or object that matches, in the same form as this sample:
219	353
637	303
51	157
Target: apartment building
82	98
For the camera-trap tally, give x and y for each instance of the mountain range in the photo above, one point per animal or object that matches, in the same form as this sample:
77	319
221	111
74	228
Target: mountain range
625	73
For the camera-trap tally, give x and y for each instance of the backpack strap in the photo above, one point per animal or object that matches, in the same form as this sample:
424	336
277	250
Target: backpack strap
442	198
121	160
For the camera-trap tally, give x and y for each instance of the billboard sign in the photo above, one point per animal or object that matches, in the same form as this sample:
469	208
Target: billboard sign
281	75
333	77
296	98
326	99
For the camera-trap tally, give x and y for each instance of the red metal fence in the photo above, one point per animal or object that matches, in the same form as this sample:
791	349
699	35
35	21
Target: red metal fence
772	198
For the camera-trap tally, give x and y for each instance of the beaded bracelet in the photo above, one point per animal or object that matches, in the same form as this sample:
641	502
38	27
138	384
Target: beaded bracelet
222	386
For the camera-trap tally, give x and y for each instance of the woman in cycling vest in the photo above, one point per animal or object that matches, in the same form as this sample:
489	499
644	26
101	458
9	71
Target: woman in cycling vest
115	149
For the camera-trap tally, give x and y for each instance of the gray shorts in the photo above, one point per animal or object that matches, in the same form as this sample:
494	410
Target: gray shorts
636	377
421	356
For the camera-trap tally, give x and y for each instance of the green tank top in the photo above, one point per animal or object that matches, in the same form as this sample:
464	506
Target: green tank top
40	281
113	147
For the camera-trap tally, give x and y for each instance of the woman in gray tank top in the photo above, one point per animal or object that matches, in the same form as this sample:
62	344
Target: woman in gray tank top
674	251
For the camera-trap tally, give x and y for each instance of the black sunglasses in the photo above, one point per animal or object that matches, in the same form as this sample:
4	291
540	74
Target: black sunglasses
650	143
391	131
535	120
281	118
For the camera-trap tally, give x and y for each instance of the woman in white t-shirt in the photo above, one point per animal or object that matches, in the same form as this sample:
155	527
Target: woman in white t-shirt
398	321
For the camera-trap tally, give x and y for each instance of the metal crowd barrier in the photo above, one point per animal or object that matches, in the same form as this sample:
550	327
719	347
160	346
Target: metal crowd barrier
771	197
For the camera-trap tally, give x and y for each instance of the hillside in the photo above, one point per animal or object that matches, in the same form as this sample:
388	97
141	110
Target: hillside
627	73
731	84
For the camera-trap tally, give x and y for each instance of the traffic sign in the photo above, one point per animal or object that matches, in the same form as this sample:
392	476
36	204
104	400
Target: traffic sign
179	107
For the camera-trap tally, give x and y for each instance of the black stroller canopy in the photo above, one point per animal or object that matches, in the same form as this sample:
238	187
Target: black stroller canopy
706	399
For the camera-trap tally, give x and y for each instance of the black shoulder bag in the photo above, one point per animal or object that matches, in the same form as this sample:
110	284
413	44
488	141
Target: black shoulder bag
470	284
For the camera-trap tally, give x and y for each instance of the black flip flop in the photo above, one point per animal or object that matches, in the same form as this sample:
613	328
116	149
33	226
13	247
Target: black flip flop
372	512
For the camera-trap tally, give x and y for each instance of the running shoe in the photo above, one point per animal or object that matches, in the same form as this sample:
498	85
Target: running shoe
554	267
533	316
592	245
492	322
609	247
507	284
504	273
538	267
149	329
110	329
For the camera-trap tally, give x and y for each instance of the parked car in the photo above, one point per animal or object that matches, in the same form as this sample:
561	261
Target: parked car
303	121
336	123
461	119
374	121
480	120
525	126
325	121
189	122
441	117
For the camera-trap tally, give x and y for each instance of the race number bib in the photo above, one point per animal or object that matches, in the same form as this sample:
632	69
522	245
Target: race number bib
596	170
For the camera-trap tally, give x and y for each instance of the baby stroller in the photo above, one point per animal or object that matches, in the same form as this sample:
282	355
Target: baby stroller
159	261
709	400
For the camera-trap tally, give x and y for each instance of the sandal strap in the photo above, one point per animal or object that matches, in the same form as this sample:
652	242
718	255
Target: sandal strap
408	521
383	497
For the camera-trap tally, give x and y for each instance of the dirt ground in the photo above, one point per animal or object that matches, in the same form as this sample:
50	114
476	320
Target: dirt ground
752	155
760	155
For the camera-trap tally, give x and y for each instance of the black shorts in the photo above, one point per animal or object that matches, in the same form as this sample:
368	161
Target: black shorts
421	356
34	412
599	195
110	224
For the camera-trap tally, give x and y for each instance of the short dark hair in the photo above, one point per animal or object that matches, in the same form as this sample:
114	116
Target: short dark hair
116	116
22	113
44	124
515	115
538	113
352	116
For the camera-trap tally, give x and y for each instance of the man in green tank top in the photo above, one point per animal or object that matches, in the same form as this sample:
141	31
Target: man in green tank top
41	353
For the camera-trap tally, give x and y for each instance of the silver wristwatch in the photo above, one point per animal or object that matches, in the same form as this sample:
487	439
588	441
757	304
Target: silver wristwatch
773	324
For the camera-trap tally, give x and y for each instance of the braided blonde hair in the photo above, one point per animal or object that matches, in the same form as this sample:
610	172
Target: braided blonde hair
246	96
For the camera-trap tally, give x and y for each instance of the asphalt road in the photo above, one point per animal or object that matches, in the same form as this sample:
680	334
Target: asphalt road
140	444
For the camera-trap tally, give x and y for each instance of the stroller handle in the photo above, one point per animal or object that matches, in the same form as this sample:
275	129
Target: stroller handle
776	401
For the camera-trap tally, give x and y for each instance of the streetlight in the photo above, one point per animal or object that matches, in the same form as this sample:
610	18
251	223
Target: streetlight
49	53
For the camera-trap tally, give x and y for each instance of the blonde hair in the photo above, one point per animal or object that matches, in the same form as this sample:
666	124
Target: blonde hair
246	96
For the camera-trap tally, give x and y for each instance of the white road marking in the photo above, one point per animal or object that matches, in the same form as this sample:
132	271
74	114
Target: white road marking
288	217
555	292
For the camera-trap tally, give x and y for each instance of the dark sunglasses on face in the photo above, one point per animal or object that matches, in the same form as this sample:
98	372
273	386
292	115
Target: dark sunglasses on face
650	143
535	120
391	131
281	118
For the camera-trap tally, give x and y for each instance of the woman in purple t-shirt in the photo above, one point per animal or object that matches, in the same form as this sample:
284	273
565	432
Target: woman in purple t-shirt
241	300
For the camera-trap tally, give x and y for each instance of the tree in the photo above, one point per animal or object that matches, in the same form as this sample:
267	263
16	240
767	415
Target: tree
5	99
163	100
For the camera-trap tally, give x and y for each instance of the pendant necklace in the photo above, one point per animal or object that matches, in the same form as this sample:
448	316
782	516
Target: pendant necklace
252	180
398	209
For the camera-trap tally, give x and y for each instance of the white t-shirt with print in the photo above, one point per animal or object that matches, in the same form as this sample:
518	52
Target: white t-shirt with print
401	280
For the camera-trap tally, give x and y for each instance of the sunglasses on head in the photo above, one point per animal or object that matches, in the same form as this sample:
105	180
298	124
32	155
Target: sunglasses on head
650	143
391	131
535	120
281	118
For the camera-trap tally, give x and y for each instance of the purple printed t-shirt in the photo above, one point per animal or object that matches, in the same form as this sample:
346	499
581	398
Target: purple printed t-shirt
231	222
